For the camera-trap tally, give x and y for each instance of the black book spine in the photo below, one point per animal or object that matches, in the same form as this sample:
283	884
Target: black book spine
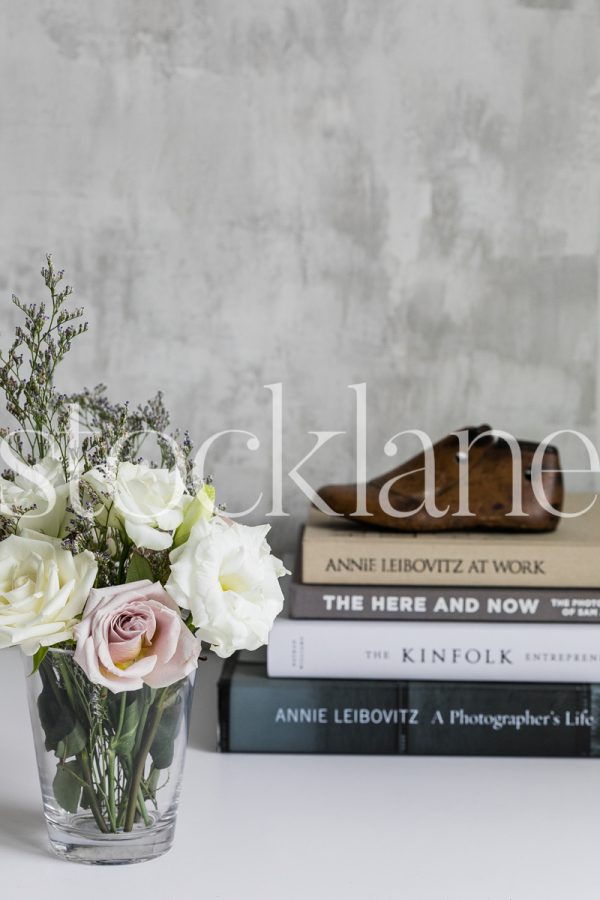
224	703
443	604
276	715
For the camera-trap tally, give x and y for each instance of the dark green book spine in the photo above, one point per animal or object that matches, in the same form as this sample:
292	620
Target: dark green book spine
277	715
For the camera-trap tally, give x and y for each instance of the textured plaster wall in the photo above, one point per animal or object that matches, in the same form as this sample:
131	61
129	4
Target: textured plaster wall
244	192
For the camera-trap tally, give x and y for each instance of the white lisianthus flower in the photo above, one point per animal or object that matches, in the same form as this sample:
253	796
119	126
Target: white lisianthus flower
225	574
42	492
149	503
43	588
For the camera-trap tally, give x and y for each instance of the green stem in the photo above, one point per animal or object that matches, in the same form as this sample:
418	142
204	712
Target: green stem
93	799
84	756
152	723
123	560
142	807
149	696
64	670
111	805
122	710
115	814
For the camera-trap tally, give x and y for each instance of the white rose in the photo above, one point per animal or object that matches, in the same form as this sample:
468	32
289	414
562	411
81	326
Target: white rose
225	574
149	503
43	588
43	491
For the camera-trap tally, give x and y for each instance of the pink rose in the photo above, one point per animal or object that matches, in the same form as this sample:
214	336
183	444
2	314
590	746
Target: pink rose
133	634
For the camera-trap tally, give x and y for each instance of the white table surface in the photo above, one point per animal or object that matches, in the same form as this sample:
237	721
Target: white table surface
317	827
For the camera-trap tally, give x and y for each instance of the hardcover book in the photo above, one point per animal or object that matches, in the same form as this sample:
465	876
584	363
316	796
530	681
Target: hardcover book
457	651
339	551
453	604
258	714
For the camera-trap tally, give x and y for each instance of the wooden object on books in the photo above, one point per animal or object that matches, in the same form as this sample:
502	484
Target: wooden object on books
487	470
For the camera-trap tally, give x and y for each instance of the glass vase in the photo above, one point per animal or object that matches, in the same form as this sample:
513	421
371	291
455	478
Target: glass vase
110	765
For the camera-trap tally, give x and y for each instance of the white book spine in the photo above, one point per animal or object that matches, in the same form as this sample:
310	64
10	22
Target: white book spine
453	651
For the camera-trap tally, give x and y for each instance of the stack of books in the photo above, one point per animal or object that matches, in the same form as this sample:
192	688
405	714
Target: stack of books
450	643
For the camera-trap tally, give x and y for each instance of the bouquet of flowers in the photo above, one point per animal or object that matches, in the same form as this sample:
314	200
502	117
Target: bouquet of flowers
115	569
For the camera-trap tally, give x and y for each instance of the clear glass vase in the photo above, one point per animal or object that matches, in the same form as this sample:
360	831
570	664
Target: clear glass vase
110	765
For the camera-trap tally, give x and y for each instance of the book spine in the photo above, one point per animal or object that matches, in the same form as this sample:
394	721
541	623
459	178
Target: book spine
406	603
275	715
461	651
366	560
224	702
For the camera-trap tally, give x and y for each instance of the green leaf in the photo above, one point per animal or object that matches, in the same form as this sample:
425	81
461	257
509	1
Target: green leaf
67	785
38	659
152	782
126	741
72	744
54	708
139	569
188	621
163	746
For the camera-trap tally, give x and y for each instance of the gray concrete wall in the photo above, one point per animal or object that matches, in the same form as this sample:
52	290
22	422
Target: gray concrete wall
318	193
